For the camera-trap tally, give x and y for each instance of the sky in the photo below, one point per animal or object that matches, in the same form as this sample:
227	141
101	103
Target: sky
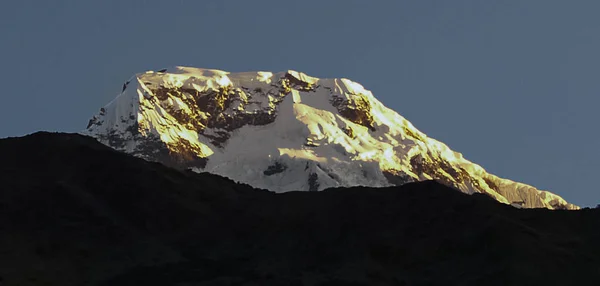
513	85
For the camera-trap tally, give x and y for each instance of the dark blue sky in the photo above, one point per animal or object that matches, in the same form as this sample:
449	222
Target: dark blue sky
513	85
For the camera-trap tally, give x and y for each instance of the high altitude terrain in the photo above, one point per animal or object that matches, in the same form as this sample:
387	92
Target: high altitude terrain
287	131
75	212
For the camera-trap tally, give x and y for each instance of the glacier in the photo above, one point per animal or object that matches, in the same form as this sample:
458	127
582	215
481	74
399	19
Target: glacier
287	131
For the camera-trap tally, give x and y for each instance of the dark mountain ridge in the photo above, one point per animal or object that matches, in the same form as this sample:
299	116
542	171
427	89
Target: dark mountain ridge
75	212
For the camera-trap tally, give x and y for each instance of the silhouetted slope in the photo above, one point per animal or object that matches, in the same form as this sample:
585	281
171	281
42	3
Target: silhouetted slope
74	212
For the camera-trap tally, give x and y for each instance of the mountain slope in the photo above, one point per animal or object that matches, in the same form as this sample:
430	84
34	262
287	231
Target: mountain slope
287	131
74	212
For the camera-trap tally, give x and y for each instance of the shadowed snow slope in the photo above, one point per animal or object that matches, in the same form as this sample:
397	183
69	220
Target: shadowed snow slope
287	131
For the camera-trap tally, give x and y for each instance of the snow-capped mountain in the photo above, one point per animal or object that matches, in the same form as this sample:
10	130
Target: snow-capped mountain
287	131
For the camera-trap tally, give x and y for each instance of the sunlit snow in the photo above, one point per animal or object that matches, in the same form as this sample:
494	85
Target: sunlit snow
308	135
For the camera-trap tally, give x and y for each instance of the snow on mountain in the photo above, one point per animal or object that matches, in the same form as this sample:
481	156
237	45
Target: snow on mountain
287	131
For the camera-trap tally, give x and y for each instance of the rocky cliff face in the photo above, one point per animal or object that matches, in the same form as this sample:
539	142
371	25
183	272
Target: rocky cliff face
287	131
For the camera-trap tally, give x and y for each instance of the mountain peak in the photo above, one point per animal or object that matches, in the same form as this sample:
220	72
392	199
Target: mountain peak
287	131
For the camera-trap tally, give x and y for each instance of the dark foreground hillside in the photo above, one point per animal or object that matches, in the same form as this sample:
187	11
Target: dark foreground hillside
73	212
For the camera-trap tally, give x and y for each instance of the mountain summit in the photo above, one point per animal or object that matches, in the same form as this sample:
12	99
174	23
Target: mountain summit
287	131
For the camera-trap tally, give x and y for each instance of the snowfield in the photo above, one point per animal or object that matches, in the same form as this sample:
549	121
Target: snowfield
287	131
